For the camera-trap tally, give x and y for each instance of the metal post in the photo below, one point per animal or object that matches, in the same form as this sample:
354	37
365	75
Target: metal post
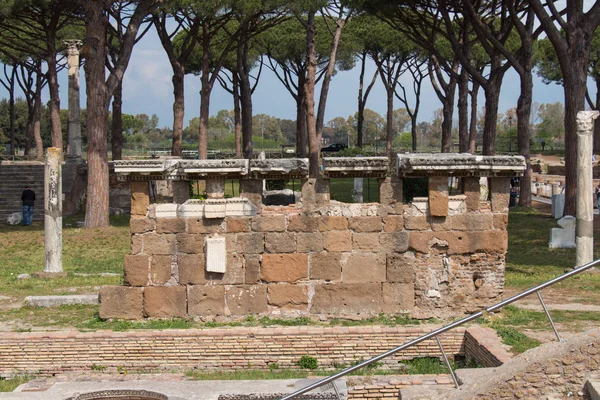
548	315
437	338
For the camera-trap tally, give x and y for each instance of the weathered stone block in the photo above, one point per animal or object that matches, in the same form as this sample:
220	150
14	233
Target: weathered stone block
284	242
139	224
500	194
488	241
160	269
155	243
393	223
309	242
401	268
190	243
206	300
303	223
236	225
398	297
364	268
472	191
337	241
137	244
284	267
347	299
252	268
286	295
244	300
501	221
326	266
394	241
191	269
170	225
269	224
135	270
459	242
416	223
215	188
120	302
140	198
203	225
181	191
165	302
472	222
390	194
250	243
251	189
441	223
365	241
335	223
365	224
438	196
234	274
315	193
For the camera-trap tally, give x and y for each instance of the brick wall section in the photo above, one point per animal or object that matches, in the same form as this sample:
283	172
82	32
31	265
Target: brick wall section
388	387
232	348
485	347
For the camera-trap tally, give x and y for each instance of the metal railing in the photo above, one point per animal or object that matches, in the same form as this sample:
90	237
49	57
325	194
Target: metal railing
448	327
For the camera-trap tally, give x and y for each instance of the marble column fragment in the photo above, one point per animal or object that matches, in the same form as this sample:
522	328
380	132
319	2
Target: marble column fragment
53	211
74	126
585	207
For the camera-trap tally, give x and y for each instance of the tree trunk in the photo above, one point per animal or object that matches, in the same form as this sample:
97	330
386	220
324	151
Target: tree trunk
360	115
301	118
327	79
54	104
237	115
523	134
597	124
389	129
492	94
97	98
204	96
178	109
11	111
311	72
117	123
37	112
473	122
245	91
463	111
413	132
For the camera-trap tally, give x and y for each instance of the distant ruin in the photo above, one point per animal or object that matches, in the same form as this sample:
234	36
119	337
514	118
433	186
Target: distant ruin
436	256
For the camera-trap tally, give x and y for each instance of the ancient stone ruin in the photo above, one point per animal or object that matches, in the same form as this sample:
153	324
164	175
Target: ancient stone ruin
434	256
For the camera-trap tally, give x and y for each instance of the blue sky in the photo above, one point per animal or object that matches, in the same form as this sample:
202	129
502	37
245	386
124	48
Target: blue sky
147	88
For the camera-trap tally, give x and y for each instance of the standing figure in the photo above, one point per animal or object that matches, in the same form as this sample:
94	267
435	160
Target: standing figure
28	198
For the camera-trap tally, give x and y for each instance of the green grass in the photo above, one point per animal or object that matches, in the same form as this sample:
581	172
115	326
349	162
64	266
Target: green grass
517	340
9	385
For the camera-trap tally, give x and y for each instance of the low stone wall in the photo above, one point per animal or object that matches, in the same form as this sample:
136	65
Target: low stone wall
388	386
48	353
484	346
436	256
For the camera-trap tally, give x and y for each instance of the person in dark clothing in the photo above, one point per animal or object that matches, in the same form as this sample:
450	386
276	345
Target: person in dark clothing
28	198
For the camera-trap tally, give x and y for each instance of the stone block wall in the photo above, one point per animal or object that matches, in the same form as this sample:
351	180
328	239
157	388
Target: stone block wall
436	256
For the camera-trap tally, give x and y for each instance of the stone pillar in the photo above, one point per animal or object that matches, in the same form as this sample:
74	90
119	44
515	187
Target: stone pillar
500	194
251	189
74	126
140	198
357	192
215	188
585	207
472	192
53	211
438	196
390	194
315	194
181	191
